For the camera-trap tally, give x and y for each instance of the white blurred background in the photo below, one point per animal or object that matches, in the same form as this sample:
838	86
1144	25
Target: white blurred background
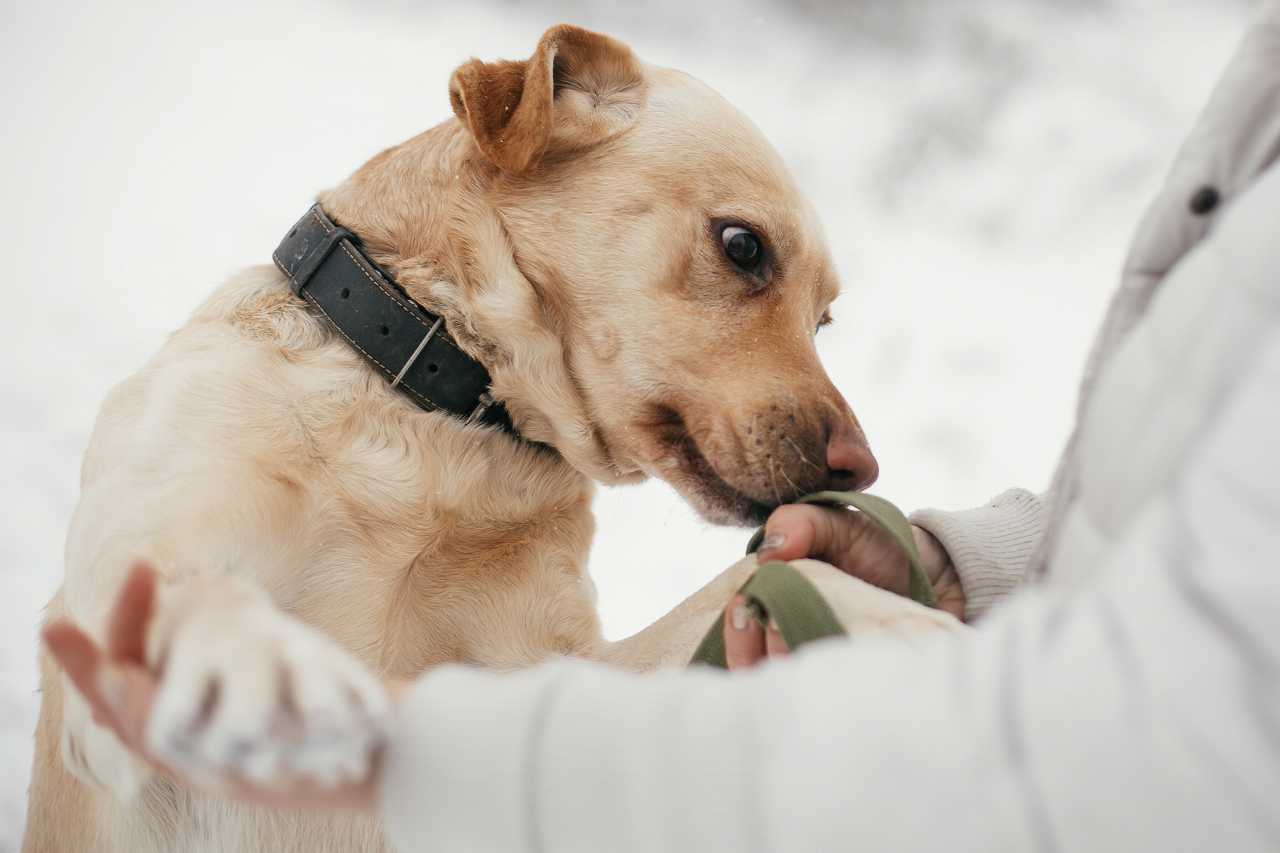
979	167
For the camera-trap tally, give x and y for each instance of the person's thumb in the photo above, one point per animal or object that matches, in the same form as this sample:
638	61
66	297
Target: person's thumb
795	531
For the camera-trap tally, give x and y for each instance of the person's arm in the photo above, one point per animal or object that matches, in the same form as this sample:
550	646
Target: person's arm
1137	713
990	546
1135	710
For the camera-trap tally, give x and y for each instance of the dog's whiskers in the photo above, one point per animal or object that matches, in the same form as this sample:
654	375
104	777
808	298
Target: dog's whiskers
794	488
773	483
803	457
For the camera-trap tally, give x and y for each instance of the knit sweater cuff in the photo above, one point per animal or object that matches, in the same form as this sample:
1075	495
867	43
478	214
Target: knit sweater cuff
990	546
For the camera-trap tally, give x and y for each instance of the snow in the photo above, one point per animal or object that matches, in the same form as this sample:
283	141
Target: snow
979	167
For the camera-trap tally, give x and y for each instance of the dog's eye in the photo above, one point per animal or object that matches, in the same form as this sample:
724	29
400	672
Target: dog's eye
743	248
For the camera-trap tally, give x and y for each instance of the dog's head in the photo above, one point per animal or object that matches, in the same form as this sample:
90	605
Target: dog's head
645	276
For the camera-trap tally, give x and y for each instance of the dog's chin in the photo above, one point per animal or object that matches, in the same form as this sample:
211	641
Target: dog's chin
719	503
707	492
674	456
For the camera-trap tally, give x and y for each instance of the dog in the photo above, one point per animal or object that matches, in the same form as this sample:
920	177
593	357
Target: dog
629	262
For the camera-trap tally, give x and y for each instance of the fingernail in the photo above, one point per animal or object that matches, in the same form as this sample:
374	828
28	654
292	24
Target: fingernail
773	625
112	687
738	616
773	542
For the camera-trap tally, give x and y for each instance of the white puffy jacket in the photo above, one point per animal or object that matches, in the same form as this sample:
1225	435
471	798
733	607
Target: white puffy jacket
1130	701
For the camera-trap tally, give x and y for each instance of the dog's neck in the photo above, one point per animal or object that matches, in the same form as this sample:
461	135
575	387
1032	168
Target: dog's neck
423	214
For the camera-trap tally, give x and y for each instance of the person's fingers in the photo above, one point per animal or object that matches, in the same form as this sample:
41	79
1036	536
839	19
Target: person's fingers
799	530
82	661
131	616
774	645
743	636
137	689
114	682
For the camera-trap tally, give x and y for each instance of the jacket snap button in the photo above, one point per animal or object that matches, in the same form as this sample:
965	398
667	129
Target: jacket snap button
1205	200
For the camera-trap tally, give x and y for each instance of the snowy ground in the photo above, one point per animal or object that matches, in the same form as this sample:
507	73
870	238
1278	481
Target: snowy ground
979	167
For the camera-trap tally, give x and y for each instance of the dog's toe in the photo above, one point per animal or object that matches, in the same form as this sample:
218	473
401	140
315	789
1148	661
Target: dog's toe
269	700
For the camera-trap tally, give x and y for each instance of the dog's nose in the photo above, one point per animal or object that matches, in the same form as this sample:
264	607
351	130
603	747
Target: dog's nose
850	465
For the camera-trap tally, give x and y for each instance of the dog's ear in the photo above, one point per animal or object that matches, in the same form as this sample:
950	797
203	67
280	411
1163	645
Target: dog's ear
577	89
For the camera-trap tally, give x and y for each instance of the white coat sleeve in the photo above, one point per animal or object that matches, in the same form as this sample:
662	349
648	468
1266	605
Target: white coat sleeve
1139	711
1136	709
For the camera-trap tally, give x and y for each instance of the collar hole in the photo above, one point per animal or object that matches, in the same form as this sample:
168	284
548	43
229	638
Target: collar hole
1205	200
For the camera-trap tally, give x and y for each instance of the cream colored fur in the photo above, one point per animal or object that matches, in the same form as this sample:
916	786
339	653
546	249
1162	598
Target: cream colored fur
306	517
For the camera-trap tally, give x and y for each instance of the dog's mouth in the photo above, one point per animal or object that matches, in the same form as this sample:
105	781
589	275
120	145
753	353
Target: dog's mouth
686	467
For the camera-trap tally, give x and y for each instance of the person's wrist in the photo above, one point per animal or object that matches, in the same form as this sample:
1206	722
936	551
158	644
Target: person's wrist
932	555
942	573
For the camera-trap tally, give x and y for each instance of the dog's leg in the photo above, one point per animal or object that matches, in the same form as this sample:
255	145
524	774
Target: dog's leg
60	810
672	640
247	688
860	607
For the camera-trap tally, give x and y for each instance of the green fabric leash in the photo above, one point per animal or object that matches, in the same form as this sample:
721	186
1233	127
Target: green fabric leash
777	591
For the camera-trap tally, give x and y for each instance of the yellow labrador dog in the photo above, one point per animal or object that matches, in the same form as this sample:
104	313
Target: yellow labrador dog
621	262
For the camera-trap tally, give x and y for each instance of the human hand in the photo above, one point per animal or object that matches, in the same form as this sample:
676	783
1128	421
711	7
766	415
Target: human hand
851	542
121	690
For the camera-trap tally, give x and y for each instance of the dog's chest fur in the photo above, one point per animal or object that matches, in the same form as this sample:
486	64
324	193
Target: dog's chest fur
411	539
428	541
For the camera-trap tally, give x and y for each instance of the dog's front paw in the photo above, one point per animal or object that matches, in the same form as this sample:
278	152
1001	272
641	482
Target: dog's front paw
250	692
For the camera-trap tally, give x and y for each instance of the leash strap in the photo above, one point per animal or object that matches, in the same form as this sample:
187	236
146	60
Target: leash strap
777	591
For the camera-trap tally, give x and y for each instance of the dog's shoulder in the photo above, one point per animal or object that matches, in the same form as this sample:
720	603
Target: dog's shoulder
257	304
237	374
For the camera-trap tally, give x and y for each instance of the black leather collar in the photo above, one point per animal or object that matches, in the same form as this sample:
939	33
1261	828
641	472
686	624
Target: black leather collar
409	345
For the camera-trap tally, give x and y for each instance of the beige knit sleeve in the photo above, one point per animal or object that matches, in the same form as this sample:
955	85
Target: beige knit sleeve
991	546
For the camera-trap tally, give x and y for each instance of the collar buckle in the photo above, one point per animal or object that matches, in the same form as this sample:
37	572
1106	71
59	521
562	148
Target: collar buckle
482	407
